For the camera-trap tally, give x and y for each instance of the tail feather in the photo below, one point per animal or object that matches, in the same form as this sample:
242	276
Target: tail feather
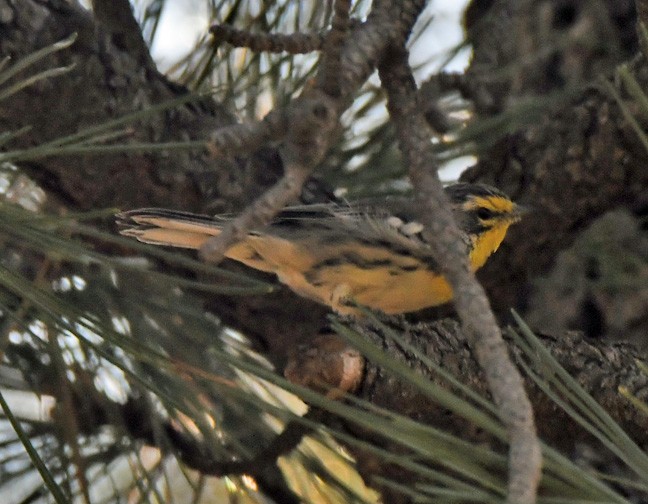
168	227
172	228
168	237
186	230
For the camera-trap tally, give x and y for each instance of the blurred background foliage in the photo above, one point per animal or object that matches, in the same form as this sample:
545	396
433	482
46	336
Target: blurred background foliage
144	367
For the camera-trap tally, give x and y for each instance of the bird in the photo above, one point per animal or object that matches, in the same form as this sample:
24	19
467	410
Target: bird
369	253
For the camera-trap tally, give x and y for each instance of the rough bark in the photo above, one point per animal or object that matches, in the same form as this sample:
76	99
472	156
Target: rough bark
576	160
599	368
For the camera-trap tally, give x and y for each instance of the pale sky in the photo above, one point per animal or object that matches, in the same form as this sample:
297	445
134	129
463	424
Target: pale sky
184	21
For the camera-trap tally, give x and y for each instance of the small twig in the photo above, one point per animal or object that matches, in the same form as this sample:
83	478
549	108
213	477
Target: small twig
191	452
330	67
258	214
448	248
197	455
262	467
428	95
295	43
642	23
310	122
306	124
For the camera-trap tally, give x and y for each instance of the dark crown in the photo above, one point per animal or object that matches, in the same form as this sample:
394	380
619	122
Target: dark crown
458	193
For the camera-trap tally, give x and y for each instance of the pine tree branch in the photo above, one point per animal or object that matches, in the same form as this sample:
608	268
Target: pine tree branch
118	19
310	121
294	43
601	369
314	116
337	36
449	249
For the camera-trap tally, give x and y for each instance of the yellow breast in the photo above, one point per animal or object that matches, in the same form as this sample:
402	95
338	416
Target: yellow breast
371	276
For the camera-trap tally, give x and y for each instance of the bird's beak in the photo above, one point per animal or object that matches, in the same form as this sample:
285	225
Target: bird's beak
520	211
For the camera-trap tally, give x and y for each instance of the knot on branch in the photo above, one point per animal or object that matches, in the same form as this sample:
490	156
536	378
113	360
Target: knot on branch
247	137
311	120
327	365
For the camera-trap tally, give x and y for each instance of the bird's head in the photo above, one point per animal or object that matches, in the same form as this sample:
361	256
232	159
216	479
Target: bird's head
484	213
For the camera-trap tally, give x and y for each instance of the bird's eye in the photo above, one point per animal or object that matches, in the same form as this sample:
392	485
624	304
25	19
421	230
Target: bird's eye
485	213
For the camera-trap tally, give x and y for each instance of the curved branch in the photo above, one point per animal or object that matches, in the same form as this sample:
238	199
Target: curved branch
446	245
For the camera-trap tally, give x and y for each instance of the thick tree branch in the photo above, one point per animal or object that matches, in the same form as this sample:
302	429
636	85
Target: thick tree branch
599	368
117	17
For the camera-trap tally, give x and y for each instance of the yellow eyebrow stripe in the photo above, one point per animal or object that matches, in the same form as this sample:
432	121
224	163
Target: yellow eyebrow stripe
495	203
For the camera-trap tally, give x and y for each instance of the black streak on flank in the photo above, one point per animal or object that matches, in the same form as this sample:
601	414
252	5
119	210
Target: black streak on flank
386	244
362	263
328	263
255	256
351	258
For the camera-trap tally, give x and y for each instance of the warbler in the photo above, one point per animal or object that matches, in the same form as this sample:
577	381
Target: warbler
371	252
